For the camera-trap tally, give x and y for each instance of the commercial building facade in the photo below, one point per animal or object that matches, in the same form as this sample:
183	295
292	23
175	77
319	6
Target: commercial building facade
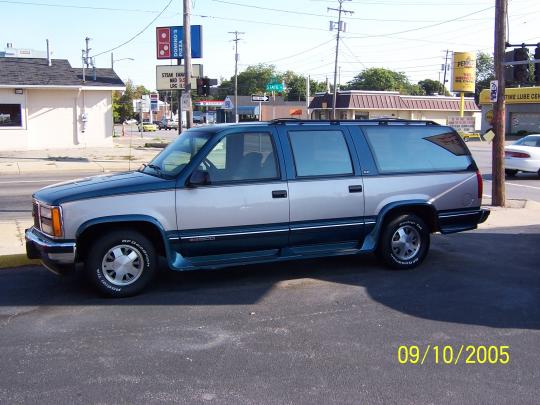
46	105
522	110
360	104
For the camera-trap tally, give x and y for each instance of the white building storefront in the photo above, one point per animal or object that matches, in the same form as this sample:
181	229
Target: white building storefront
46	106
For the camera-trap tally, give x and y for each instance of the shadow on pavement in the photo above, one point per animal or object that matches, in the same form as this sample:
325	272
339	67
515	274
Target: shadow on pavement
489	278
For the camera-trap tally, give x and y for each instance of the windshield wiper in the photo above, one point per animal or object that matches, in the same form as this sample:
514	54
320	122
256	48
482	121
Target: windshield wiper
157	169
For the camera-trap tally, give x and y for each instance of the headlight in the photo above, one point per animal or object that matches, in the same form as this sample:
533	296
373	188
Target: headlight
50	220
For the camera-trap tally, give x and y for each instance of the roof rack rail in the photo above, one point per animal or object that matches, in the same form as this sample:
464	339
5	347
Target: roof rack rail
376	121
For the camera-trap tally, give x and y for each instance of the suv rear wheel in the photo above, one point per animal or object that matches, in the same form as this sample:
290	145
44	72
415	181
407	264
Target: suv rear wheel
404	242
121	263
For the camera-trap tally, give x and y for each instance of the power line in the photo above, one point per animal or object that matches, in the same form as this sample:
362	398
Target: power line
138	33
259	22
427	26
297	12
56	5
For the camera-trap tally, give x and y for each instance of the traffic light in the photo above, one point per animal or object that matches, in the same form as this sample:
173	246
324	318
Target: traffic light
537	65
521	72
203	87
200	87
206	86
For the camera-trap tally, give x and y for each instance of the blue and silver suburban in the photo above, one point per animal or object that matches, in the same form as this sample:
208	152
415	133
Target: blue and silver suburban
263	192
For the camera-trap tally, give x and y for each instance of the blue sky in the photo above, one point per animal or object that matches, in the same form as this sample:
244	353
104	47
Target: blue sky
408	35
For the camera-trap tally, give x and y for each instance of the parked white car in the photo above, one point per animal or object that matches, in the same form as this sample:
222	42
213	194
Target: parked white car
523	156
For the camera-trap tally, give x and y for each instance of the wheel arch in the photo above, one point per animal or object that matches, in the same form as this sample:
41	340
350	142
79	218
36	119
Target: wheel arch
423	209
146	225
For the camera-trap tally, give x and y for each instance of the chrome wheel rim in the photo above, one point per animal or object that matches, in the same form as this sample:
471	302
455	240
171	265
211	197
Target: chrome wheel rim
406	242
122	265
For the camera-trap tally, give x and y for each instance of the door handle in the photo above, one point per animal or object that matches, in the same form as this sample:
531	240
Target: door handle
279	194
355	189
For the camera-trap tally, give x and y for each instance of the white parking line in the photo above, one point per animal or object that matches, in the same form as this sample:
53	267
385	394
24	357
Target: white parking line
31	181
518	185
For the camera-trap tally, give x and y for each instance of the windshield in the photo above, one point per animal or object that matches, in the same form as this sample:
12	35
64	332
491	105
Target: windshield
531	140
178	154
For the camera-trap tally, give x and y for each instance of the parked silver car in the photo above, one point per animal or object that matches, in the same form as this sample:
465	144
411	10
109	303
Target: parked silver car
263	192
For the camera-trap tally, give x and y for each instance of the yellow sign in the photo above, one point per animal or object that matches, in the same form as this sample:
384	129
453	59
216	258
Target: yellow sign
515	95
489	117
464	72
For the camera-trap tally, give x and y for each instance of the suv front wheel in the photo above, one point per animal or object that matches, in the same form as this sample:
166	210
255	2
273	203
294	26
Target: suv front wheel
404	242
121	263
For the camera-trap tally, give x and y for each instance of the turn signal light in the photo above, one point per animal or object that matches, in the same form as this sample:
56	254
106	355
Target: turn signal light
480	184
56	221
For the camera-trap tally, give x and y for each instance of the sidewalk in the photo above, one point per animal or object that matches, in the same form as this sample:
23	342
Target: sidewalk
126	153
13	253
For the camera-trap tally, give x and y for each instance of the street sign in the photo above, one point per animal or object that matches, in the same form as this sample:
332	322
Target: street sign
171	77
461	124
228	104
186	102
259	98
493	90
275	86
169	42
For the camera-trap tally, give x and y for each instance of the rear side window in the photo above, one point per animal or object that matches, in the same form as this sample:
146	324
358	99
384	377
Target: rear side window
417	149
320	153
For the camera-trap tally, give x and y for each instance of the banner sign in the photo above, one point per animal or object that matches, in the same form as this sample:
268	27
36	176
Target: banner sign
515	95
463	72
169	42
171	77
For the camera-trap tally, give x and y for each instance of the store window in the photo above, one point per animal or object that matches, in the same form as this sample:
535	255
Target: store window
10	115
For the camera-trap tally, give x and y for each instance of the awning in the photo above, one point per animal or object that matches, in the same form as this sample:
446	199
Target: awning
247	110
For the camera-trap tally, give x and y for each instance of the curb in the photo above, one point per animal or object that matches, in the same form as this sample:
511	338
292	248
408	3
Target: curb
17	260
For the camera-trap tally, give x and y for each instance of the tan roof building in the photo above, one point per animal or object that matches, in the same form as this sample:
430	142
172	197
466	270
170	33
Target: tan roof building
360	104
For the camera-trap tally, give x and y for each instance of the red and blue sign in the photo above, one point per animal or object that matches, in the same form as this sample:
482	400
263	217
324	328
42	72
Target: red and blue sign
169	42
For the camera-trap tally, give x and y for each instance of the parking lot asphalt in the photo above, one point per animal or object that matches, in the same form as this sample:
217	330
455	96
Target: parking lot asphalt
316	331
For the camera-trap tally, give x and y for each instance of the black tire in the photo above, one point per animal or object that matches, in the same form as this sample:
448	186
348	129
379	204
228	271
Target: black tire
510	172
417	233
127	250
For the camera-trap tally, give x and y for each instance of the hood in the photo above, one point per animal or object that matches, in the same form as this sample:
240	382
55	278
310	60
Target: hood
102	186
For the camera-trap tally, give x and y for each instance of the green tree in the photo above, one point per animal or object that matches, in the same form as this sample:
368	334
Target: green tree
431	87
123	103
485	72
255	78
380	79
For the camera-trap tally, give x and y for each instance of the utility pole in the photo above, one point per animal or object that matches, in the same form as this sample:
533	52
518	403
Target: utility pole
186	50
236	39
445	71
498	197
340	27
87	52
307	96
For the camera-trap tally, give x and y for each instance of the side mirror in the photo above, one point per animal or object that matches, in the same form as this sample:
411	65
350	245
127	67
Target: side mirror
198	178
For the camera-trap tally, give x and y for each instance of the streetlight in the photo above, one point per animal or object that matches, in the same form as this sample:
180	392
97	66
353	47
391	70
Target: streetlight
117	60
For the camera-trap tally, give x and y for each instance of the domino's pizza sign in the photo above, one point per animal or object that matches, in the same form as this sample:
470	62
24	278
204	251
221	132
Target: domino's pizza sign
169	42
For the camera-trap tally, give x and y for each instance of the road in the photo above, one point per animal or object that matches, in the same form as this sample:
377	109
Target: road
16	191
523	186
305	332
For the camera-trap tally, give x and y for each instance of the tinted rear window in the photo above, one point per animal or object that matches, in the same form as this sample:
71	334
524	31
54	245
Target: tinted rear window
417	149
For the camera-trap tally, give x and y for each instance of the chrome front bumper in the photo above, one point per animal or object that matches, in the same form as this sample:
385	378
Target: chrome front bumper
57	256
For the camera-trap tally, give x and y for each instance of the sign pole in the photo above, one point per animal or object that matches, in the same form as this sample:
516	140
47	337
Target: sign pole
179	102
186	52
461	104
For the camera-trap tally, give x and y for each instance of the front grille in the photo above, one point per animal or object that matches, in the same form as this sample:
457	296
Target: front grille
35	214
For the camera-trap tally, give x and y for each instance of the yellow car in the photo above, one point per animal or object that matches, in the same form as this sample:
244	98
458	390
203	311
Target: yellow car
148	126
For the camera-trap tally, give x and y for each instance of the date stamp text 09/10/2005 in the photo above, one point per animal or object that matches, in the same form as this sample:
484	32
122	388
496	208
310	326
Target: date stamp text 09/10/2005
453	355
